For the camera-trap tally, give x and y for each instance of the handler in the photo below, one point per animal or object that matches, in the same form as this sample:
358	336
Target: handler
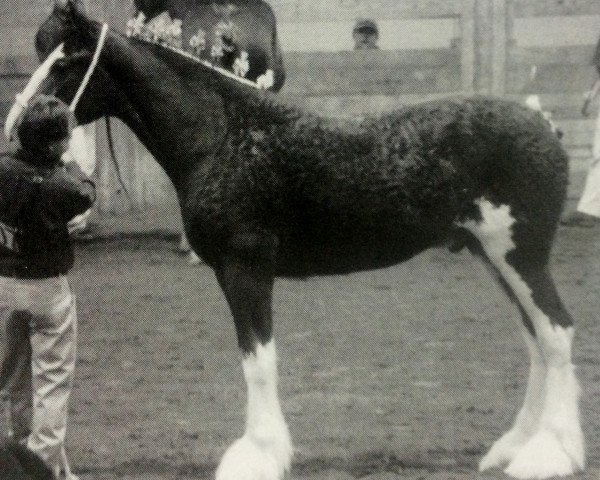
38	197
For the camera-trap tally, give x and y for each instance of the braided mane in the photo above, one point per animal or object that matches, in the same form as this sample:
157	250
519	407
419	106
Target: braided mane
246	105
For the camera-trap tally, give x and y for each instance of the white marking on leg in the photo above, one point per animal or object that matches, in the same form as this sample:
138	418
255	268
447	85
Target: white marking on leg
555	446
528	418
265	450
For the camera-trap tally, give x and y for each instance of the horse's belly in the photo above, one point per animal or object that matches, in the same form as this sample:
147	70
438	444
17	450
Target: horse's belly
363	252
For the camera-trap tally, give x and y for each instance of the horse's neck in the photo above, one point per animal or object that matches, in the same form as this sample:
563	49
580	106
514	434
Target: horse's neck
179	125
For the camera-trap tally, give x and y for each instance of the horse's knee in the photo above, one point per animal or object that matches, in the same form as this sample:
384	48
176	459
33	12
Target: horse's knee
246	275
254	247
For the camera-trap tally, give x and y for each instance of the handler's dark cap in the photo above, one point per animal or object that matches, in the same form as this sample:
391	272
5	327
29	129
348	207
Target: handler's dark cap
364	25
47	119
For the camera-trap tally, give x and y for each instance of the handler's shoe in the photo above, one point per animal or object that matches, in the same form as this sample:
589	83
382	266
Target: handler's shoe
70	476
67	476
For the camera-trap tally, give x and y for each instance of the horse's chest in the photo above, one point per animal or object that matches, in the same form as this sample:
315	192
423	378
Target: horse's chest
235	191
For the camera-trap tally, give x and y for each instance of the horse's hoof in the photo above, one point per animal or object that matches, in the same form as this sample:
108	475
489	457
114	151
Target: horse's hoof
547	455
503	451
249	460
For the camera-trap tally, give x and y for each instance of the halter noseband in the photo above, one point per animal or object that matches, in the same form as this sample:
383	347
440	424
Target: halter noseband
22	99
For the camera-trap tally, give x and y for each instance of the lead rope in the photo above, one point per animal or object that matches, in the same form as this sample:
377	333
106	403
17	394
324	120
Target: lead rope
113	156
91	68
10	432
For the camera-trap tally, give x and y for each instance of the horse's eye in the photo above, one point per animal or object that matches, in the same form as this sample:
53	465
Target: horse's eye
60	64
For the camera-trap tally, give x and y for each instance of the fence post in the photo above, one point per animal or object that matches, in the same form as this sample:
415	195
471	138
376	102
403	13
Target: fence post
500	37
485	36
467	45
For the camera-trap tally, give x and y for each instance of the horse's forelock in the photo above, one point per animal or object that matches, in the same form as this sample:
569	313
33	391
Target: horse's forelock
62	26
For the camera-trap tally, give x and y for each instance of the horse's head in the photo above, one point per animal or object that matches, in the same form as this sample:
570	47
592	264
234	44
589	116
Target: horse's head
69	25
65	43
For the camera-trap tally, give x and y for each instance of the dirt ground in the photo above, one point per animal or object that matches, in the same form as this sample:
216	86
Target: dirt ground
405	373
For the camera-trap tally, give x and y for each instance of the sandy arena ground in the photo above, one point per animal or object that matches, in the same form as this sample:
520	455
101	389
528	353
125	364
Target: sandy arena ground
405	373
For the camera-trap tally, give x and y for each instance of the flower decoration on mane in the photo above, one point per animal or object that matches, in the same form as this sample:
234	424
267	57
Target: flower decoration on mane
161	29
198	42
241	65
136	25
225	51
226	38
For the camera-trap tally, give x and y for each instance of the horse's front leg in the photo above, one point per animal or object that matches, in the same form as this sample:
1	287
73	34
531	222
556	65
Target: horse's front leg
264	452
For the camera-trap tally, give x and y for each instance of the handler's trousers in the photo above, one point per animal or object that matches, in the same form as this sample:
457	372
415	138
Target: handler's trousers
589	201
38	389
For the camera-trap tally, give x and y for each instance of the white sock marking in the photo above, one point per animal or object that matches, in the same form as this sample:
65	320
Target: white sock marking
265	450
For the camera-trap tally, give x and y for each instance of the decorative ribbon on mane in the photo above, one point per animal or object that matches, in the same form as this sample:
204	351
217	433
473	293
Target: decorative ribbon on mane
22	99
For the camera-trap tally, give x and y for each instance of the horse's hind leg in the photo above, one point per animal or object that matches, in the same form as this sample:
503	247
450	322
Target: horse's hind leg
264	452
558	442
546	439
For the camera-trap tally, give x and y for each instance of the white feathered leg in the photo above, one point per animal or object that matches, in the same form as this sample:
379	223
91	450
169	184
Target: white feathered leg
264	452
557	448
528	419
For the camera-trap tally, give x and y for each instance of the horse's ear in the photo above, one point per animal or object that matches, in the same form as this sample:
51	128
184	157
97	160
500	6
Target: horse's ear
70	6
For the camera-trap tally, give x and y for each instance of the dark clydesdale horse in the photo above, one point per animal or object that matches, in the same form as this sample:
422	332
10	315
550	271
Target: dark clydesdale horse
267	191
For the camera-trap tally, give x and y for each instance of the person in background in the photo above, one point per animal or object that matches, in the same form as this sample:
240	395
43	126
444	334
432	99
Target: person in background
587	213
39	195
365	35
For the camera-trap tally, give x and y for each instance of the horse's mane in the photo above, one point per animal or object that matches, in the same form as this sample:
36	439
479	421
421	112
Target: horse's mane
246	105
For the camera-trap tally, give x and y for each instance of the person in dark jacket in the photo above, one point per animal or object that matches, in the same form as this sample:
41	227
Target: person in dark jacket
39	194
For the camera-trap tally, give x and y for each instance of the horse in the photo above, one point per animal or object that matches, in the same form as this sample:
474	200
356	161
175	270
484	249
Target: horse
268	191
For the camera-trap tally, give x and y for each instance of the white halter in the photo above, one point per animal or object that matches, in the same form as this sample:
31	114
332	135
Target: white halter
22	99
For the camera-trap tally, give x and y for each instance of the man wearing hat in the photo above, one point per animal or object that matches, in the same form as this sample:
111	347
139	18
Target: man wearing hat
365	35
